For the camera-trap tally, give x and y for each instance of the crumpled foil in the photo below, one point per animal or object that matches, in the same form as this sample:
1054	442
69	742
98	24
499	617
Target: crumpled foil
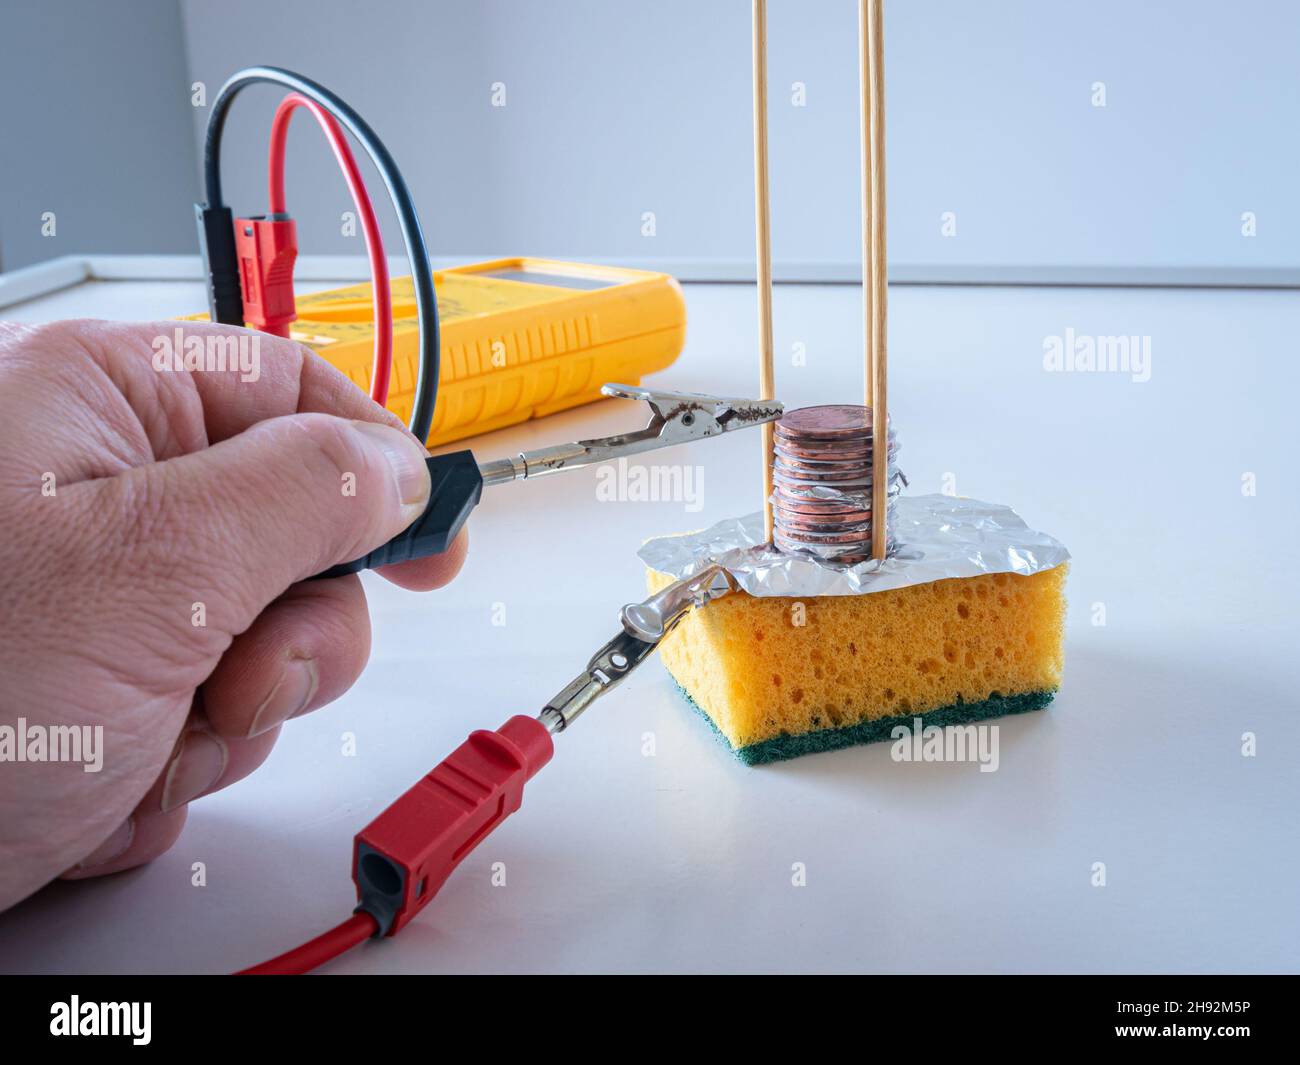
937	537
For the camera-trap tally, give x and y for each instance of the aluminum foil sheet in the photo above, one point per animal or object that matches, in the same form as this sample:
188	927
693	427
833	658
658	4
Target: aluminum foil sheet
937	537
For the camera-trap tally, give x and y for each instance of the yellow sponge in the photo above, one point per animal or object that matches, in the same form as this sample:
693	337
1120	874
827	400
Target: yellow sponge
781	677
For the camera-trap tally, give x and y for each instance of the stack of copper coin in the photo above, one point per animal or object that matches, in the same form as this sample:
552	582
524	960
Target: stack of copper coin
821	502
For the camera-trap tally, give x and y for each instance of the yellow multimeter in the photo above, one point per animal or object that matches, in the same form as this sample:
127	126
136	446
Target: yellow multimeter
521	338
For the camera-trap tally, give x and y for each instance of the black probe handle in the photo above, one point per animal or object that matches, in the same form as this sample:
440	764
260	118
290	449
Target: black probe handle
455	489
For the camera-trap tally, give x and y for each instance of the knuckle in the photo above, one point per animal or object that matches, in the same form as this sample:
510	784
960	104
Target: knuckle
333	446
339	468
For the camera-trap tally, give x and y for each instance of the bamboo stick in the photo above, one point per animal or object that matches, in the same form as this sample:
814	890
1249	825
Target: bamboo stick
875	280
763	247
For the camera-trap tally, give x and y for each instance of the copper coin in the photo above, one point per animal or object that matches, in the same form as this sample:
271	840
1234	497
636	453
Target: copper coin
789	449
850	481
822	523
855	492
806	512
810	497
795	527
822	467
826	423
806	509
848	443
809	510
799	536
822	476
791	525
793	518
800	476
794	462
814	486
823	451
825	443
823	489
817	438
841	522
805	452
813	500
818	451
835	447
823	461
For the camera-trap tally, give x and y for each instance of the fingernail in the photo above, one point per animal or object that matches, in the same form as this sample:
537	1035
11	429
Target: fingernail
406	459
199	765
110	850
292	692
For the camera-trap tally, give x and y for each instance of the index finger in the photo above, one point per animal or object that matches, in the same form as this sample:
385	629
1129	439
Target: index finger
260	376
283	377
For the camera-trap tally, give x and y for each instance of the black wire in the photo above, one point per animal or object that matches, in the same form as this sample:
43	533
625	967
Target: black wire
426	302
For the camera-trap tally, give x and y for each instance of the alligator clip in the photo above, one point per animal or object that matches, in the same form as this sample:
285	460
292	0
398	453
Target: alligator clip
675	418
645	624
458	478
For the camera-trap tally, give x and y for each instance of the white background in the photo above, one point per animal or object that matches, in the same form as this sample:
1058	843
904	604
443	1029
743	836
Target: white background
683	861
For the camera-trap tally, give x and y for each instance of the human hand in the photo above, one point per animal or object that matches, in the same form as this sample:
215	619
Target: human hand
154	528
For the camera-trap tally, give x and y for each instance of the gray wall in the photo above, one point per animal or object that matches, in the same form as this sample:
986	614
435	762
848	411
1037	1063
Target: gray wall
615	108
94	127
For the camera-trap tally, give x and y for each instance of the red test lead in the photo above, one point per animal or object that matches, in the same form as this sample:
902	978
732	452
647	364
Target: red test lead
217	231
402	858
380	289
404	855
267	249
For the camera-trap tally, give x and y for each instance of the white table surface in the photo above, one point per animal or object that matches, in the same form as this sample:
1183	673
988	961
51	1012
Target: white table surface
682	861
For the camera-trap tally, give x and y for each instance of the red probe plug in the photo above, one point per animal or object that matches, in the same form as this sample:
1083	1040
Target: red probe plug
404	855
267	248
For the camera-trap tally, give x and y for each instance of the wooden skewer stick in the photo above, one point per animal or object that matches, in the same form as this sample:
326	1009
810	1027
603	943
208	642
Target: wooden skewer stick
875	279
763	241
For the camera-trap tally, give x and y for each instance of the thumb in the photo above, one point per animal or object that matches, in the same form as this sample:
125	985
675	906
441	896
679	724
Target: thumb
281	501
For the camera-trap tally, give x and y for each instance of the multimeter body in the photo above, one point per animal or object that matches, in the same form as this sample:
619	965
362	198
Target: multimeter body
521	338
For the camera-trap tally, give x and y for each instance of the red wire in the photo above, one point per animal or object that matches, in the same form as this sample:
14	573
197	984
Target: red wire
311	955
360	926
369	224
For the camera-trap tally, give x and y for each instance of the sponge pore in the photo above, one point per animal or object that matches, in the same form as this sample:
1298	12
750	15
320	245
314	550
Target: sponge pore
829	671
